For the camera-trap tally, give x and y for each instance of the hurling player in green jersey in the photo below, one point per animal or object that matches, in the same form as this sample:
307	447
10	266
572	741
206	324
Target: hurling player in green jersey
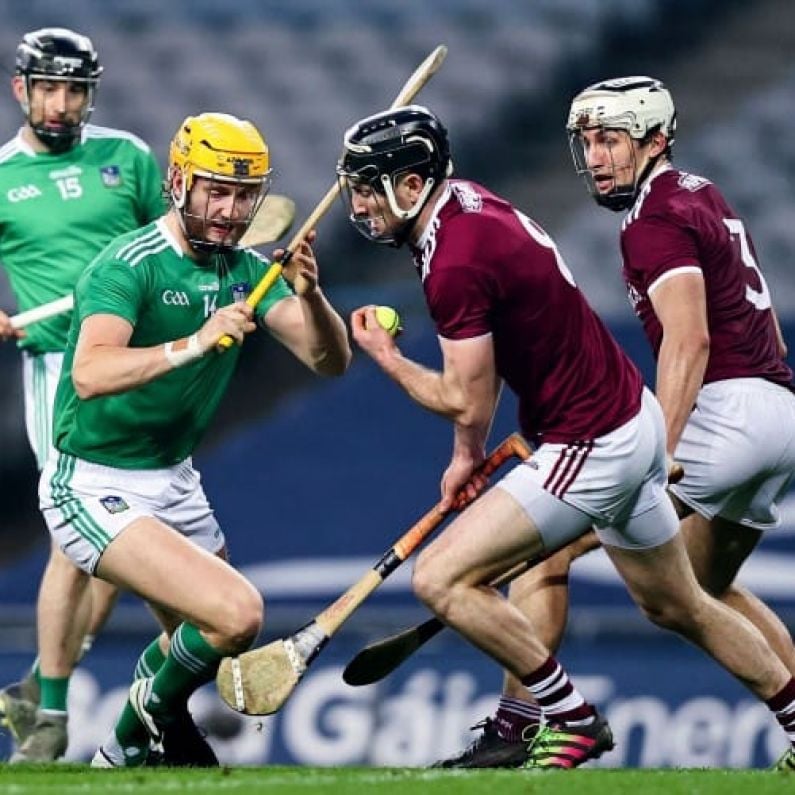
66	189
142	377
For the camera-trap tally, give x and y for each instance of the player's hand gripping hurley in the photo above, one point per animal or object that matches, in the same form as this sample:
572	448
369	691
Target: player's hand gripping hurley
379	658
260	681
422	74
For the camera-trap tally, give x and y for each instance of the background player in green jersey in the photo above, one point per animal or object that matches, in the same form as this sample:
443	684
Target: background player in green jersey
90	184
141	379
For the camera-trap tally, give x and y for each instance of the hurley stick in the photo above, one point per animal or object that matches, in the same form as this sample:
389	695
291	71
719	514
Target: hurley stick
273	220
421	75
258	682
380	658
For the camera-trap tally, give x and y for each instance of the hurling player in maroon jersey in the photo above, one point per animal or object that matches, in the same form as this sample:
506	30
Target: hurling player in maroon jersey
692	275
507	309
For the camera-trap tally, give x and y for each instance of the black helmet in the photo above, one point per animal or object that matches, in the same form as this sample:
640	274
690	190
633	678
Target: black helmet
381	148
63	55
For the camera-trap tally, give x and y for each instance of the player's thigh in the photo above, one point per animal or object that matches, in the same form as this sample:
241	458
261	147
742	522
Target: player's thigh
551	573
167	570
63	573
168	619
659	579
717	548
490	536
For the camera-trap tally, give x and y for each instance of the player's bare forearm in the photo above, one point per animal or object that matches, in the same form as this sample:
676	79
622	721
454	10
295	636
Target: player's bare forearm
429	388
327	351
469	439
110	370
681	366
681	306
105	364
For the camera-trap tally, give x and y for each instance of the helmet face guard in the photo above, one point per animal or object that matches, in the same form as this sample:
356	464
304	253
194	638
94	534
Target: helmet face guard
638	106
377	152
227	152
58	55
622	196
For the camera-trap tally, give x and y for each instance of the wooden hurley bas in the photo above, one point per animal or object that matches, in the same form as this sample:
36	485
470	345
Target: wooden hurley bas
258	682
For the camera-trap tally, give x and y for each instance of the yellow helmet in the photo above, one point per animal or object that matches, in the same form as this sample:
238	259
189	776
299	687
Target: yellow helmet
220	146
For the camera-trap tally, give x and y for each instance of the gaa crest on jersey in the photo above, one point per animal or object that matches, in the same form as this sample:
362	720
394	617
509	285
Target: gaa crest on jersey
692	182
111	176
114	504
240	291
634	296
469	199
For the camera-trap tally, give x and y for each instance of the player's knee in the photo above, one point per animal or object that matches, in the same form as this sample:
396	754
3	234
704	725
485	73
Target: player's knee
430	586
243	615
669	615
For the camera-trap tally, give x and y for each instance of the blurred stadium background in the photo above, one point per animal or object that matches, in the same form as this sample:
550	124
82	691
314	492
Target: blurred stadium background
312	481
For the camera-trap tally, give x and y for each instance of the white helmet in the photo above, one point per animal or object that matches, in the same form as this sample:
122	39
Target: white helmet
638	105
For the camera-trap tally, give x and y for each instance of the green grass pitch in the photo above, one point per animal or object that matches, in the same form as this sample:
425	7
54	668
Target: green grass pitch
67	779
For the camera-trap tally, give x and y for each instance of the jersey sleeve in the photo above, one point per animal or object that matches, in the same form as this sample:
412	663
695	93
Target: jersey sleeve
655	245
460	300
109	287
151	204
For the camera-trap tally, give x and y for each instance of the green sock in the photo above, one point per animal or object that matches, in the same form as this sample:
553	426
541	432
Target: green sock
53	693
131	733
150	661
191	662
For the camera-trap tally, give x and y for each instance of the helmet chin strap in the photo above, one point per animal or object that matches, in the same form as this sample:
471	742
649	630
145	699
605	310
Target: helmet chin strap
409	216
57	142
623	198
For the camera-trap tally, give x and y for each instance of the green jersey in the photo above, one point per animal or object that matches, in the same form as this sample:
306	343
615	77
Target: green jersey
145	278
58	211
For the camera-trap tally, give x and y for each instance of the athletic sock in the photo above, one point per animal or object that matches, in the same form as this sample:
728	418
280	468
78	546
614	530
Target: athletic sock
191	662
134	748
557	696
150	661
35	671
783	706
513	716
53	693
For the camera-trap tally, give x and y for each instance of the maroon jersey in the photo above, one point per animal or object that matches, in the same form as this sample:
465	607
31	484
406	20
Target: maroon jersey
681	222
488	269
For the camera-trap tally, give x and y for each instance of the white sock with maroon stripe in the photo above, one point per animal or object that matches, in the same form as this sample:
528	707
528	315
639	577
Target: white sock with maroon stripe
783	705
557	696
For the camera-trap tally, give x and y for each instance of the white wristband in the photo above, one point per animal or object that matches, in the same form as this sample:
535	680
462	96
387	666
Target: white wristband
183	351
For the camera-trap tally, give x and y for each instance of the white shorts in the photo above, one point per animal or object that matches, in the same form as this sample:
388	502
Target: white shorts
40	374
615	483
738	451
87	505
